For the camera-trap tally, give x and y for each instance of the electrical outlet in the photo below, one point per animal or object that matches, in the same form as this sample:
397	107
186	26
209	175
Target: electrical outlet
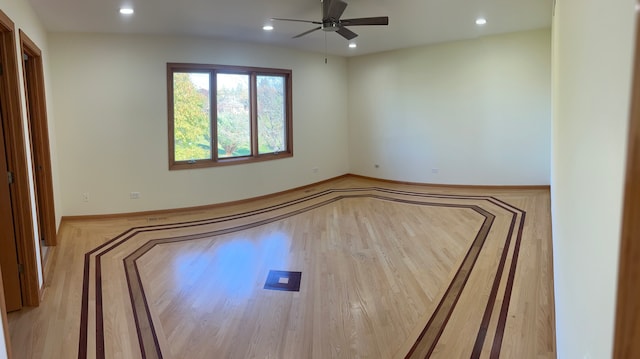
134	195
435	170
85	196
314	170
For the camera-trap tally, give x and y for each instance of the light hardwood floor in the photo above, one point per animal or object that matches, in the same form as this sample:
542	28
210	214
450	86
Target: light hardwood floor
389	270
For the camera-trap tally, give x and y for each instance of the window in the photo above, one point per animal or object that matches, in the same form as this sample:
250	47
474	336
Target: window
223	115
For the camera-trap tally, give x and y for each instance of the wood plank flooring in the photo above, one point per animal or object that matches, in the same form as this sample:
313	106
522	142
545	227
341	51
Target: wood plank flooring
388	271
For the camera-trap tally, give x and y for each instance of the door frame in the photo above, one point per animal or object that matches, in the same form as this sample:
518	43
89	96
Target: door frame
627	326
39	138
17	162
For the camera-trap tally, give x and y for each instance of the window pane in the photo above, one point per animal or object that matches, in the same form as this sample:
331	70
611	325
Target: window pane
271	114
234	122
191	113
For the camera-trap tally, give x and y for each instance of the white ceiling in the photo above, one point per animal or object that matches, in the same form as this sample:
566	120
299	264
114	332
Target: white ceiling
411	22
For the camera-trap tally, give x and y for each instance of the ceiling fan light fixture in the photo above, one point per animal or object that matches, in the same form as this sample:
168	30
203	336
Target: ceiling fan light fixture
353	45
481	21
267	27
126	11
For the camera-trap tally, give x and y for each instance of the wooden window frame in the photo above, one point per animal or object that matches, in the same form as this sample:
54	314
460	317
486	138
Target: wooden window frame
252	72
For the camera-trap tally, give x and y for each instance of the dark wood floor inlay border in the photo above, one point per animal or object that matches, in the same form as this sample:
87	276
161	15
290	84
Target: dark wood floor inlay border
424	344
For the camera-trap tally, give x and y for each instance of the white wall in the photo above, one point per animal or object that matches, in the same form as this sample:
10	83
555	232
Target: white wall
3	344
111	102
592	59
479	111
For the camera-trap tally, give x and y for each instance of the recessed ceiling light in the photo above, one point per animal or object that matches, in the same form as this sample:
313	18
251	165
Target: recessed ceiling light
481	21
126	11
353	45
267	28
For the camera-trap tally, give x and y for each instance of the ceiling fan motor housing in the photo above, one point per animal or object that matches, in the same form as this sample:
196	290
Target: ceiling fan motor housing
330	25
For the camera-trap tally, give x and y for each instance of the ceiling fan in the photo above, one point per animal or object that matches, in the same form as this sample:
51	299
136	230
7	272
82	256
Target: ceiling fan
331	12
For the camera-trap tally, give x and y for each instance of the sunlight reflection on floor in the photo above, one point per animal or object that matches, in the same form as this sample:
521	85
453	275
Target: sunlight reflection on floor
236	266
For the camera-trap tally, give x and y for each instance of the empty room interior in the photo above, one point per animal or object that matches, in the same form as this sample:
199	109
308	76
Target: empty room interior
319	179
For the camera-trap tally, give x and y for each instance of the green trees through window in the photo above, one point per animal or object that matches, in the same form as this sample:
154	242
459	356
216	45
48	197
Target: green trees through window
192	128
246	118
234	122
271	111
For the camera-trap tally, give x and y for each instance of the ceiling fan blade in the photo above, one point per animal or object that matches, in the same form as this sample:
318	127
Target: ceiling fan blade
346	33
307	32
326	4
336	8
381	20
296	20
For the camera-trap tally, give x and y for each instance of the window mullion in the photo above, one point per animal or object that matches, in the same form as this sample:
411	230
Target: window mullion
213	115
253	93
289	113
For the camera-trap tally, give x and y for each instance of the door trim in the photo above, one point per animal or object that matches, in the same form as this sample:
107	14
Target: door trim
627	327
17	161
39	137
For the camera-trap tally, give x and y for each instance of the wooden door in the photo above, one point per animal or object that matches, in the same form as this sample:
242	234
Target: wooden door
8	252
15	156
39	138
37	168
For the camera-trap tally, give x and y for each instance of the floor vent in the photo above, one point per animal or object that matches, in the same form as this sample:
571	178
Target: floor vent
283	280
